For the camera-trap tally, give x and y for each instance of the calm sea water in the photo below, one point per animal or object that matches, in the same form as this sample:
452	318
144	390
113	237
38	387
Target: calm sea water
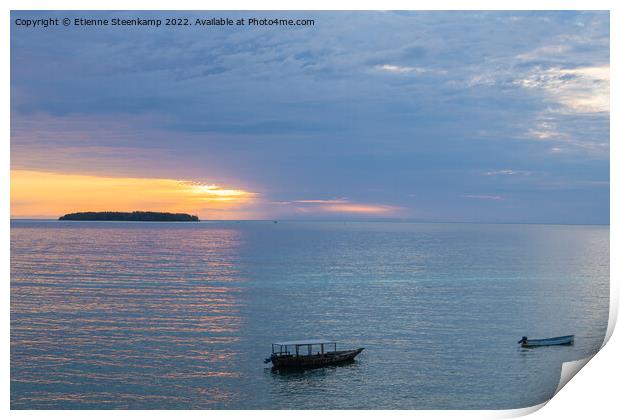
181	316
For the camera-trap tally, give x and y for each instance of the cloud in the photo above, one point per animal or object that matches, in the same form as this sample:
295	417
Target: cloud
340	201
585	134
359	208
484	197
391	68
215	193
577	90
545	129
507	172
543	52
342	205
387	104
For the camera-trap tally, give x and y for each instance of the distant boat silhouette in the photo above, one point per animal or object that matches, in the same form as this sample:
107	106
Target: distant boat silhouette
294	359
554	341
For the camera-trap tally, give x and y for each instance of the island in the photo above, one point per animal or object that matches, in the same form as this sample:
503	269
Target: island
134	216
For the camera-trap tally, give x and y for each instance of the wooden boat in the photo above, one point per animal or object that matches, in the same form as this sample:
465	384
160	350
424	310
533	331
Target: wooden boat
300	354
554	341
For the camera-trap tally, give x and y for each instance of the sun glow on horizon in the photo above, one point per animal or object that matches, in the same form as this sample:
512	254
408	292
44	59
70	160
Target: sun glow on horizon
39	194
216	193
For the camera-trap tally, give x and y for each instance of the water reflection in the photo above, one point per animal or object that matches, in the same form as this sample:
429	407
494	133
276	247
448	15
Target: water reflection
104	311
128	315
292	373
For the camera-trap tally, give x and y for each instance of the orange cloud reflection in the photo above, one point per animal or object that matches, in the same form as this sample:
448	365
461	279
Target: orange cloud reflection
38	194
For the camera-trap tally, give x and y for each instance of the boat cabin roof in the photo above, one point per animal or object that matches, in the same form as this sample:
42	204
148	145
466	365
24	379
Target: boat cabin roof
310	341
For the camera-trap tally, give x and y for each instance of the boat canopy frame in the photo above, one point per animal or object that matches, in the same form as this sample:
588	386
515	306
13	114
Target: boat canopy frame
308	343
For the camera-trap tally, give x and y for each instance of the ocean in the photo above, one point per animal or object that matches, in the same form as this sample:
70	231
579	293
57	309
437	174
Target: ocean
136	315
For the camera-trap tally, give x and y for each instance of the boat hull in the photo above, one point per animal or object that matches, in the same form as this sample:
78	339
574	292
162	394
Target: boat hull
566	340
314	361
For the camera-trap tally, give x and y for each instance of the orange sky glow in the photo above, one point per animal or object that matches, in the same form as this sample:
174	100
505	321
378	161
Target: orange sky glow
40	194
37	194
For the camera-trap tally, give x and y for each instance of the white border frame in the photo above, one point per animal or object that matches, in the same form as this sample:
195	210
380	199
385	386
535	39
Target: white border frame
596	385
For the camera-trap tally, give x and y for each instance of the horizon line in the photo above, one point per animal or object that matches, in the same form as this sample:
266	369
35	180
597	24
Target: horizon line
325	221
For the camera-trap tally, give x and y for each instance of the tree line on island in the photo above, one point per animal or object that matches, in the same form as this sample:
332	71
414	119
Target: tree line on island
134	216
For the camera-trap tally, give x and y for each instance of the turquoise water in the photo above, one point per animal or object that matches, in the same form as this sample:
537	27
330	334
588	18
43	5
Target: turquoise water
181	316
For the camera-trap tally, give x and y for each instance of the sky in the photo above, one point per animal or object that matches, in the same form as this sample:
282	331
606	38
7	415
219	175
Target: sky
499	117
